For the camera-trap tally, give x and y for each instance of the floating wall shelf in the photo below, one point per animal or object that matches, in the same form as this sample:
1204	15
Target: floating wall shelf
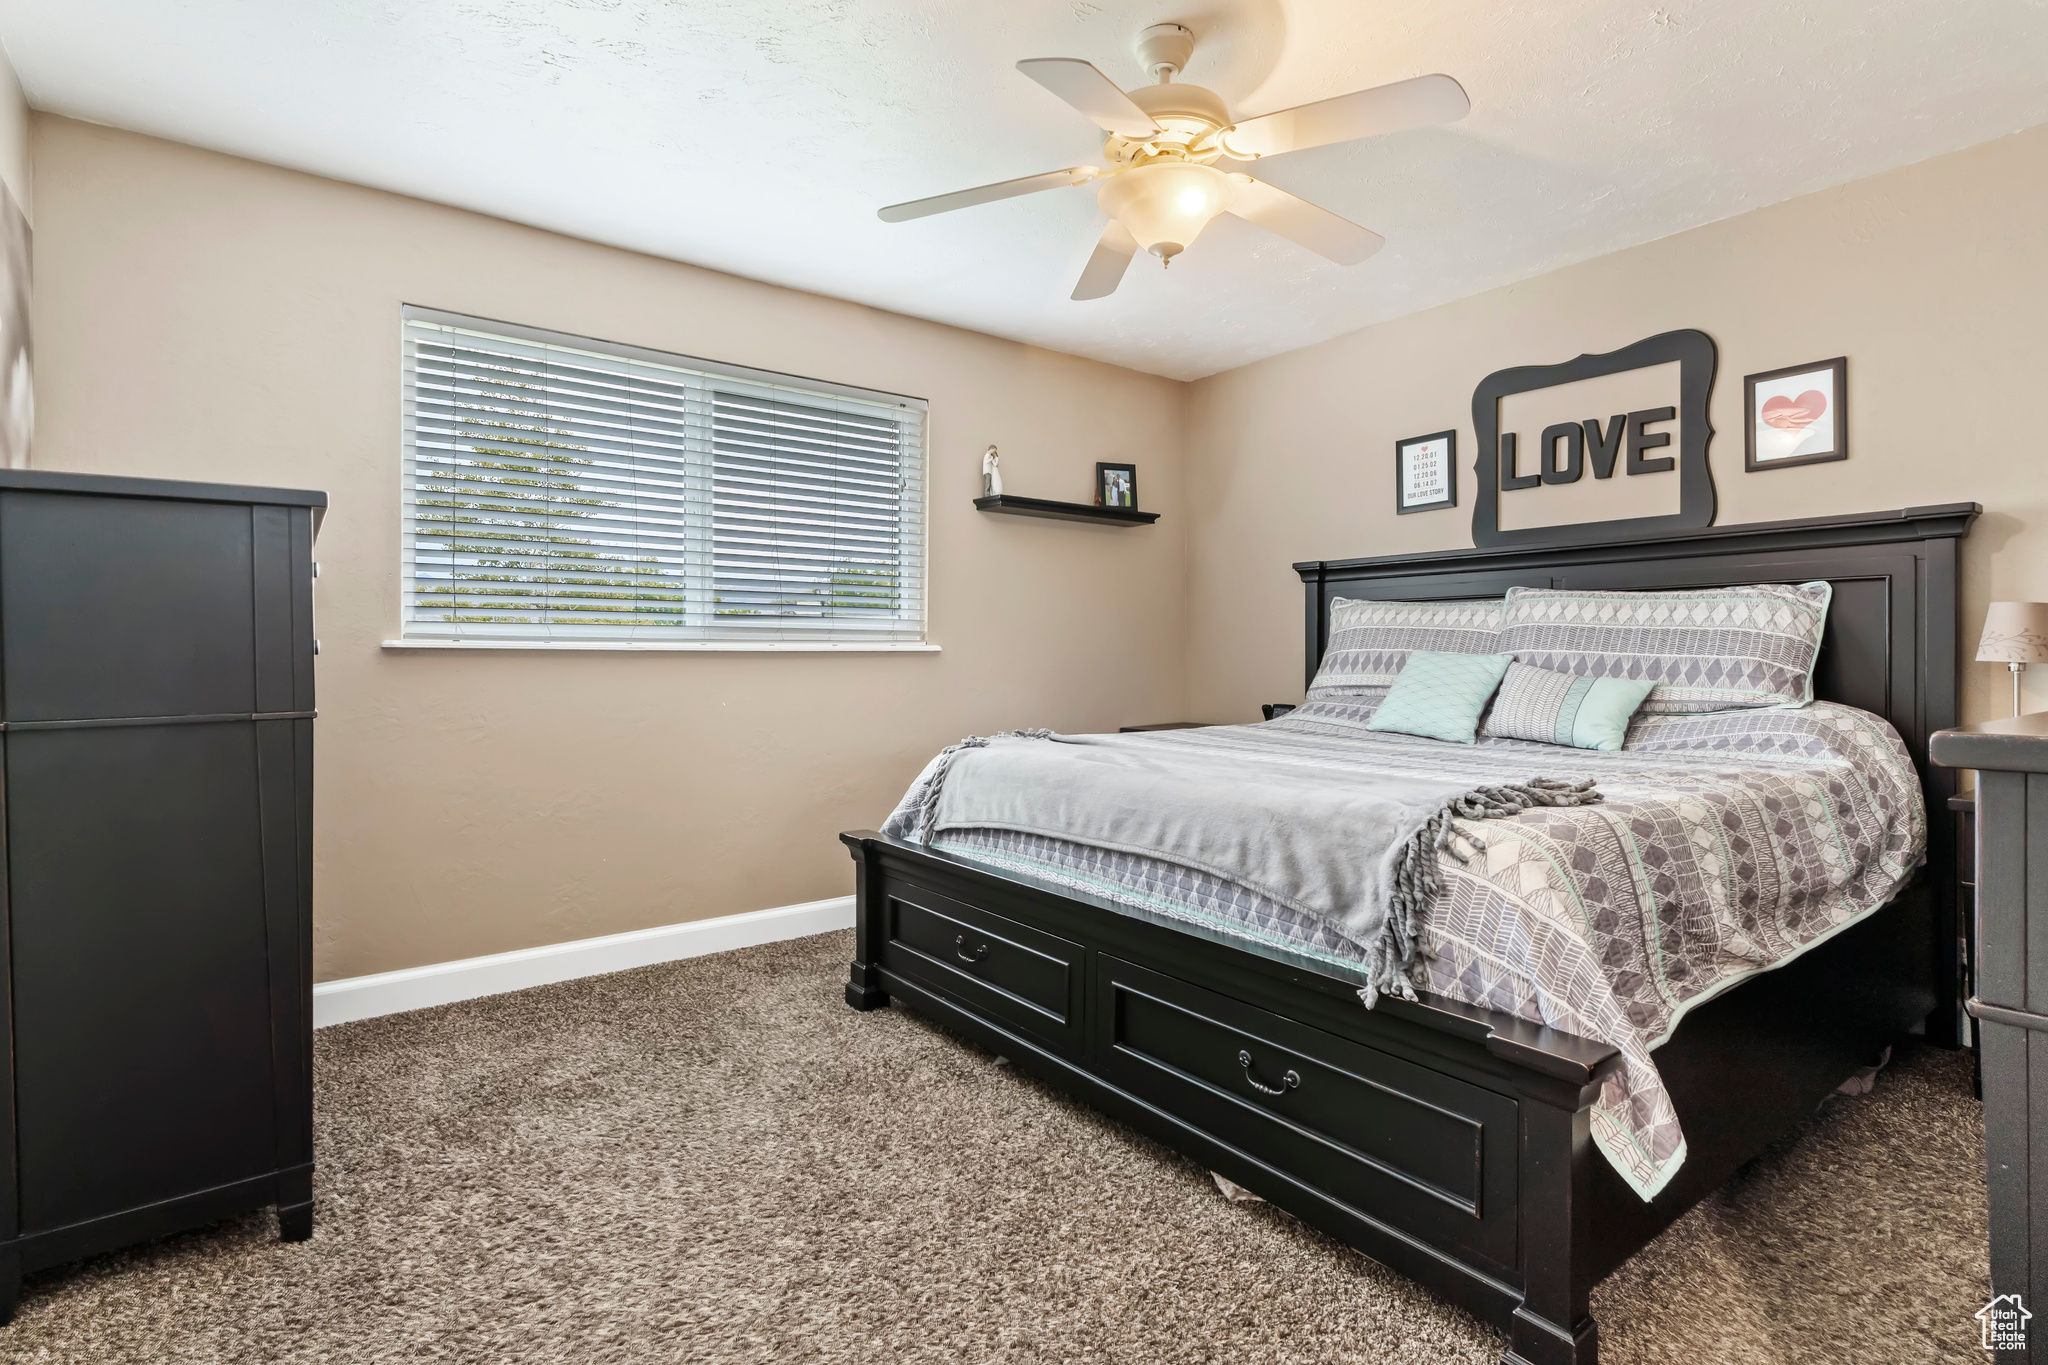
1012	505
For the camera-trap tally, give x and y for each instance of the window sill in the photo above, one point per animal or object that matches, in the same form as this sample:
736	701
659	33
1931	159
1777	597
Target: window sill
679	646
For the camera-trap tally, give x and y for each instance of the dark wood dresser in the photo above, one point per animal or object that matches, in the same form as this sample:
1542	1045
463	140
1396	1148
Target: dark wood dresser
156	722
2010	1002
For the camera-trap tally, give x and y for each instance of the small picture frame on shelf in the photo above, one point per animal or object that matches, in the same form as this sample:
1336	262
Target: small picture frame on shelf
1116	485
1426	472
1797	415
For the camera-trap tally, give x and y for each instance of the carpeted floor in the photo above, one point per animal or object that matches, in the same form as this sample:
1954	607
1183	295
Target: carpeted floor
716	1161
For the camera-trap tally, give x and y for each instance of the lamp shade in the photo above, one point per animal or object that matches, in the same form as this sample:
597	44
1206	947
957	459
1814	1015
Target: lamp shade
2015	633
1166	205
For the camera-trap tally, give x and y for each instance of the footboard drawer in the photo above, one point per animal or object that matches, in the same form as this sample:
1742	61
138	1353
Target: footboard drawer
1431	1155
1009	972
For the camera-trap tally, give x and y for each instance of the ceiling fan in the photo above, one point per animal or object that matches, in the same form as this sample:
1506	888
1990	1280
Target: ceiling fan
1176	159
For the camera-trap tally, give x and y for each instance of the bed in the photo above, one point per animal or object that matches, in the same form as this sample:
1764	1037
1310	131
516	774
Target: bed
1463	1145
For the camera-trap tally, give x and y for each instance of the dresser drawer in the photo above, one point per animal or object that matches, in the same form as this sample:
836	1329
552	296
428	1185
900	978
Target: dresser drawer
1396	1141
1010	972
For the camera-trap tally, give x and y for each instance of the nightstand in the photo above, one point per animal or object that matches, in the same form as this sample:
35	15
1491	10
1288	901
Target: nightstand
1965	808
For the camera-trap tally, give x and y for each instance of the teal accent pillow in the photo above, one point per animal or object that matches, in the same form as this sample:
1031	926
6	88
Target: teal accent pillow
1561	708
1440	696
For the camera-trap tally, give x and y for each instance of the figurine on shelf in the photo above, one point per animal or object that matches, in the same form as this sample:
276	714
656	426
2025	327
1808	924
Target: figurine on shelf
991	474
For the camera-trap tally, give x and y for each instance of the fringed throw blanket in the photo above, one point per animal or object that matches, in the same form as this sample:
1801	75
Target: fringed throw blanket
1357	849
1726	844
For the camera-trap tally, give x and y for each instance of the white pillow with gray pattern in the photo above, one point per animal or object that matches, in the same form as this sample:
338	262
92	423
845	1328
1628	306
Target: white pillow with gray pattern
1370	642
1706	649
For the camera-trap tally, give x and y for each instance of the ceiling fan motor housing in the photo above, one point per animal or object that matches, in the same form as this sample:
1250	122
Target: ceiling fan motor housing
1189	118
1190	102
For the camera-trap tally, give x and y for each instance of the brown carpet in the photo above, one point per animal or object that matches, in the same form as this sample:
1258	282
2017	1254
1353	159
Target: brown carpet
716	1160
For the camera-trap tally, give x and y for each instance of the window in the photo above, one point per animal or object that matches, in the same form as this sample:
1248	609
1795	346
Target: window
564	491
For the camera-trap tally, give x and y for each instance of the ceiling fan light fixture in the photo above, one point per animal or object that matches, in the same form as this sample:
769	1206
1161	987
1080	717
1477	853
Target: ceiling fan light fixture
1159	182
1166	205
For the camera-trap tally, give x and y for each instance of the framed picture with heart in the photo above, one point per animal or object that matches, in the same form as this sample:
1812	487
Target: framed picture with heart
1797	415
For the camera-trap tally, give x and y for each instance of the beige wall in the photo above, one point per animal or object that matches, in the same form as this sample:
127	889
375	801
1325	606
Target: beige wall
14	138
17	387
1932	279
202	317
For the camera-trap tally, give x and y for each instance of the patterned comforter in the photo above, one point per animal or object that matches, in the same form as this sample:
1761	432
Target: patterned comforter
1728	844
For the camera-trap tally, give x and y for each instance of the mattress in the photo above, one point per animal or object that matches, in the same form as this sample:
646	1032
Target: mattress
1728	844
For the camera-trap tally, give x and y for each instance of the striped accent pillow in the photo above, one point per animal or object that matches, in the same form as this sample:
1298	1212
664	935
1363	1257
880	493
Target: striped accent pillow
1370	641
1706	649
1561	708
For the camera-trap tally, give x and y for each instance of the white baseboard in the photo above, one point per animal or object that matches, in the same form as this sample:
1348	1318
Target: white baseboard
443	983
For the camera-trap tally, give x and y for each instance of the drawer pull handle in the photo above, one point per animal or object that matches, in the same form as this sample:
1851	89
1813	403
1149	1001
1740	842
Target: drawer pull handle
960	949
1287	1082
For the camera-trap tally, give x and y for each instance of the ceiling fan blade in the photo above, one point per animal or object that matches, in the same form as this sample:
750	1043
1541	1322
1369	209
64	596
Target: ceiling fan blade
1419	103
1094	94
985	194
1105	269
1304	224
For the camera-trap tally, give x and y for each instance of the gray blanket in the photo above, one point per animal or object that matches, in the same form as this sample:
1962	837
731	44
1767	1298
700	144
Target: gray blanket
1726	844
1357	850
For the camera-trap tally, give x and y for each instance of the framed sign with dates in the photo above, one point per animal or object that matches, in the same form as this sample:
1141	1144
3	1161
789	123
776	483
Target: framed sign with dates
1426	472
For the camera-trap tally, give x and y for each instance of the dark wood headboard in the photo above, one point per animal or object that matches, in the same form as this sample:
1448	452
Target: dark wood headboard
1889	648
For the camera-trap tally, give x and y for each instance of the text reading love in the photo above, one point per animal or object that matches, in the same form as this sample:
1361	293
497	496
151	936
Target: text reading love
1566	448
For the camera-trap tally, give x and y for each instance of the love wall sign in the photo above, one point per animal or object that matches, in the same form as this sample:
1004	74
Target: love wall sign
1560	465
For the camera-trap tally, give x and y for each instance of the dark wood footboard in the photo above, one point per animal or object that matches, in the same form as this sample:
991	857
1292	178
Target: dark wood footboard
1449	1142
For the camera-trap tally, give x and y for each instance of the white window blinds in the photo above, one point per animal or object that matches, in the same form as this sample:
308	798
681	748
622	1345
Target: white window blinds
559	489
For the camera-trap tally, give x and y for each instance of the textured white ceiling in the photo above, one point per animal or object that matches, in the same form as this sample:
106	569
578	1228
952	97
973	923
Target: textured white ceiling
759	136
